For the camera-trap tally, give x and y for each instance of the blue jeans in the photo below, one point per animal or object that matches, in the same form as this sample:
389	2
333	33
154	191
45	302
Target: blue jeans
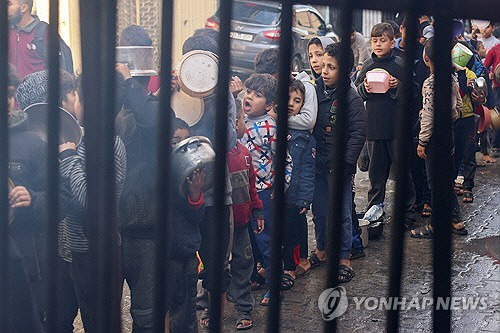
263	239
320	210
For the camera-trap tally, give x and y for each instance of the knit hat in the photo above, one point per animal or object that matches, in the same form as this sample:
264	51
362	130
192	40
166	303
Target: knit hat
34	89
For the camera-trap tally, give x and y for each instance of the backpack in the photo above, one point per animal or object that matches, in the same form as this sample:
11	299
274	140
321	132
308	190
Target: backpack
65	55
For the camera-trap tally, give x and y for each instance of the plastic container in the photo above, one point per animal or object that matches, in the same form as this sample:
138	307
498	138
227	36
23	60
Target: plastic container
363	224
378	79
484	118
375	213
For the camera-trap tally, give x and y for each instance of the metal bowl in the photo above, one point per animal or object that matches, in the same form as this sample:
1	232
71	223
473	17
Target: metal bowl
188	155
138	58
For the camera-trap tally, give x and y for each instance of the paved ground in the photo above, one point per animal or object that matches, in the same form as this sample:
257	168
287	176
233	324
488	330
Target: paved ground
475	273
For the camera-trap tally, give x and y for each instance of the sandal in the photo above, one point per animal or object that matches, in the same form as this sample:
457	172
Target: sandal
300	271
287	281
315	261
357	254
242	317
427	211
205	319
459	231
265	300
468	196
346	274
258	283
459	190
422	232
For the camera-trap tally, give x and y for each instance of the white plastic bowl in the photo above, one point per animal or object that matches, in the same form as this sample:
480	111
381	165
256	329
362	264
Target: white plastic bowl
378	79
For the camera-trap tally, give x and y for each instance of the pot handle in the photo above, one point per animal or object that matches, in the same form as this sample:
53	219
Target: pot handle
190	142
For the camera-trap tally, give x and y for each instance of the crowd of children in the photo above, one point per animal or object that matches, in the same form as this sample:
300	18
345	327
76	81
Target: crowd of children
313	108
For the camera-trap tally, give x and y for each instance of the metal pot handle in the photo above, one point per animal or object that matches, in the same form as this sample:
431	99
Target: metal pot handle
195	139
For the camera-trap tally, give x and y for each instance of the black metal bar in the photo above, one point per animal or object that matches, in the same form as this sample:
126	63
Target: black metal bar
216	252
441	164
404	116
164	151
98	55
51	298
4	169
338	153
278	209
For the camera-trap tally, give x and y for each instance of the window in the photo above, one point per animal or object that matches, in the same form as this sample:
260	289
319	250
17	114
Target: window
316	22
256	14
303	20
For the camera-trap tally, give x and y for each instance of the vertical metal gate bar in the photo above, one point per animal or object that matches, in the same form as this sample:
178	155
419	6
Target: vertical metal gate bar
50	276
338	156
216	252
403	137
278	209
441	168
164	150
98	55
4	170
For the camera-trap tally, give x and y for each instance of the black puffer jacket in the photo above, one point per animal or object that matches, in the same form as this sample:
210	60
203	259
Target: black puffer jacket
325	127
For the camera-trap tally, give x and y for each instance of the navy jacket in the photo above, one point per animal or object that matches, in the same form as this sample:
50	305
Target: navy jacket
325	127
302	148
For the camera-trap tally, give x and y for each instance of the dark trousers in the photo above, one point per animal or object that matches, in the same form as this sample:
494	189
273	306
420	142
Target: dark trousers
80	271
182	304
455	211
242	266
322	186
419	177
294	227
356	230
382	154
465	150
22	311
67	301
263	240
138	268
208	223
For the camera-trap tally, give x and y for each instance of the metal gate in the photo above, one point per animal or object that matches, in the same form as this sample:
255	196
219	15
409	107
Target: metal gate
98	53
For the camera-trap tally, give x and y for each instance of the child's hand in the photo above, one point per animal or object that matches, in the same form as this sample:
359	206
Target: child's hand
303	210
195	184
235	86
421	152
260	226
174	84
19	197
367	86
478	96
393	82
67	146
123	70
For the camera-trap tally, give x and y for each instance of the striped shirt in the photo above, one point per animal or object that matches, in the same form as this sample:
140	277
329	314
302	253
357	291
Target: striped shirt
71	229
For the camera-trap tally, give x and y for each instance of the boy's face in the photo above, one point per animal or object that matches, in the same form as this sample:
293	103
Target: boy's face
382	45
481	50
179	135
240	124
316	57
78	109
68	103
486	32
330	72
295	102
255	103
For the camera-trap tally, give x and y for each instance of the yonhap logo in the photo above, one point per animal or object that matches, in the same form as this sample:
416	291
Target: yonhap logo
332	303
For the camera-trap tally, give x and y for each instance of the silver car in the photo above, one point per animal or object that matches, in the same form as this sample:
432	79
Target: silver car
255	26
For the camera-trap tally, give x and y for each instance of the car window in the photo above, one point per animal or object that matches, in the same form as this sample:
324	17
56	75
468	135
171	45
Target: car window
255	13
303	19
316	22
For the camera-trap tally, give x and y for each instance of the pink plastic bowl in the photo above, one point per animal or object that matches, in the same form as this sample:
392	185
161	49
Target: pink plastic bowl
378	79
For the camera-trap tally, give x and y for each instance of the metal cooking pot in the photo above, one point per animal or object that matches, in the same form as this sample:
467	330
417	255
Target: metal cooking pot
69	130
188	155
138	58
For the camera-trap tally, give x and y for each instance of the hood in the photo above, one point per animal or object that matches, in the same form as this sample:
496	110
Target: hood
325	41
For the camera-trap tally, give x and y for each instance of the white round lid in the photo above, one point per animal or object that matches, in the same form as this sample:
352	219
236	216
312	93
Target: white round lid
198	72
